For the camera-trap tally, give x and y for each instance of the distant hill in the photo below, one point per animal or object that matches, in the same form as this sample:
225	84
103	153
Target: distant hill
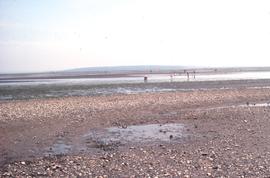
125	71
146	68
92	72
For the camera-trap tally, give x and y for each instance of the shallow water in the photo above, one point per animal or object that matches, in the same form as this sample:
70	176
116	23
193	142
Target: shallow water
58	148
139	133
153	78
247	105
113	137
255	105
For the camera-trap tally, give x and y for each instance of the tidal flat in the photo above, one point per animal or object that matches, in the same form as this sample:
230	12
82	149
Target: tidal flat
192	132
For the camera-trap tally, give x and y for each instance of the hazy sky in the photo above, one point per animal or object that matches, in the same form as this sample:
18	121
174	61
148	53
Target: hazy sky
42	35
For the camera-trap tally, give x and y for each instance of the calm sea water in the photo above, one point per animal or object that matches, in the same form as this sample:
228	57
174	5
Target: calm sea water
151	79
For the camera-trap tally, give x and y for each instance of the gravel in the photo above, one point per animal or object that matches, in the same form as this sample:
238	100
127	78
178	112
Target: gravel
221	141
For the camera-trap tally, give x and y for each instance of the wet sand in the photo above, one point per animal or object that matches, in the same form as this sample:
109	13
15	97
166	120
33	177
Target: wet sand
216	136
35	91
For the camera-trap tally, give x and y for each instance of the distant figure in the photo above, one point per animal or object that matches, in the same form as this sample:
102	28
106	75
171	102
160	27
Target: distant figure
171	77
145	79
188	76
194	72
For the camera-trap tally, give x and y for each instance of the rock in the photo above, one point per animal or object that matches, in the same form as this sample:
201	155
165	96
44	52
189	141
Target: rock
204	154
7	174
215	167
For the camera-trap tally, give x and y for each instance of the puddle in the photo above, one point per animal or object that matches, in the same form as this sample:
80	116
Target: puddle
255	105
59	148
9	97
111	138
138	134
247	105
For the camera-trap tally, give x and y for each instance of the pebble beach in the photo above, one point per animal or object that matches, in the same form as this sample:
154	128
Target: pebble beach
224	133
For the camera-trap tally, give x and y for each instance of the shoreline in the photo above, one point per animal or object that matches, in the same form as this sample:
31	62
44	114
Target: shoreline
25	92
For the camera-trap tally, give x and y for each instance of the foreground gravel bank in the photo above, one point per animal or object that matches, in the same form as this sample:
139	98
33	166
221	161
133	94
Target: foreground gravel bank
223	139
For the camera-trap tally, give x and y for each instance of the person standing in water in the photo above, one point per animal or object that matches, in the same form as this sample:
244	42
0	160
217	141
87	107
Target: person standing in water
145	79
187	76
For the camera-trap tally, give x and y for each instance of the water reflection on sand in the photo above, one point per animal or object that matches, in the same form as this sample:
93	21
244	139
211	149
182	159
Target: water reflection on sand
40	88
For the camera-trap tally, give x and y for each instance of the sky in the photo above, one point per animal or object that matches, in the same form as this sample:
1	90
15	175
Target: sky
50	35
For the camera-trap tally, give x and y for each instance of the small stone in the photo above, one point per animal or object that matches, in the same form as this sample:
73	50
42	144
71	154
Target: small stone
56	167
204	154
215	167
7	174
